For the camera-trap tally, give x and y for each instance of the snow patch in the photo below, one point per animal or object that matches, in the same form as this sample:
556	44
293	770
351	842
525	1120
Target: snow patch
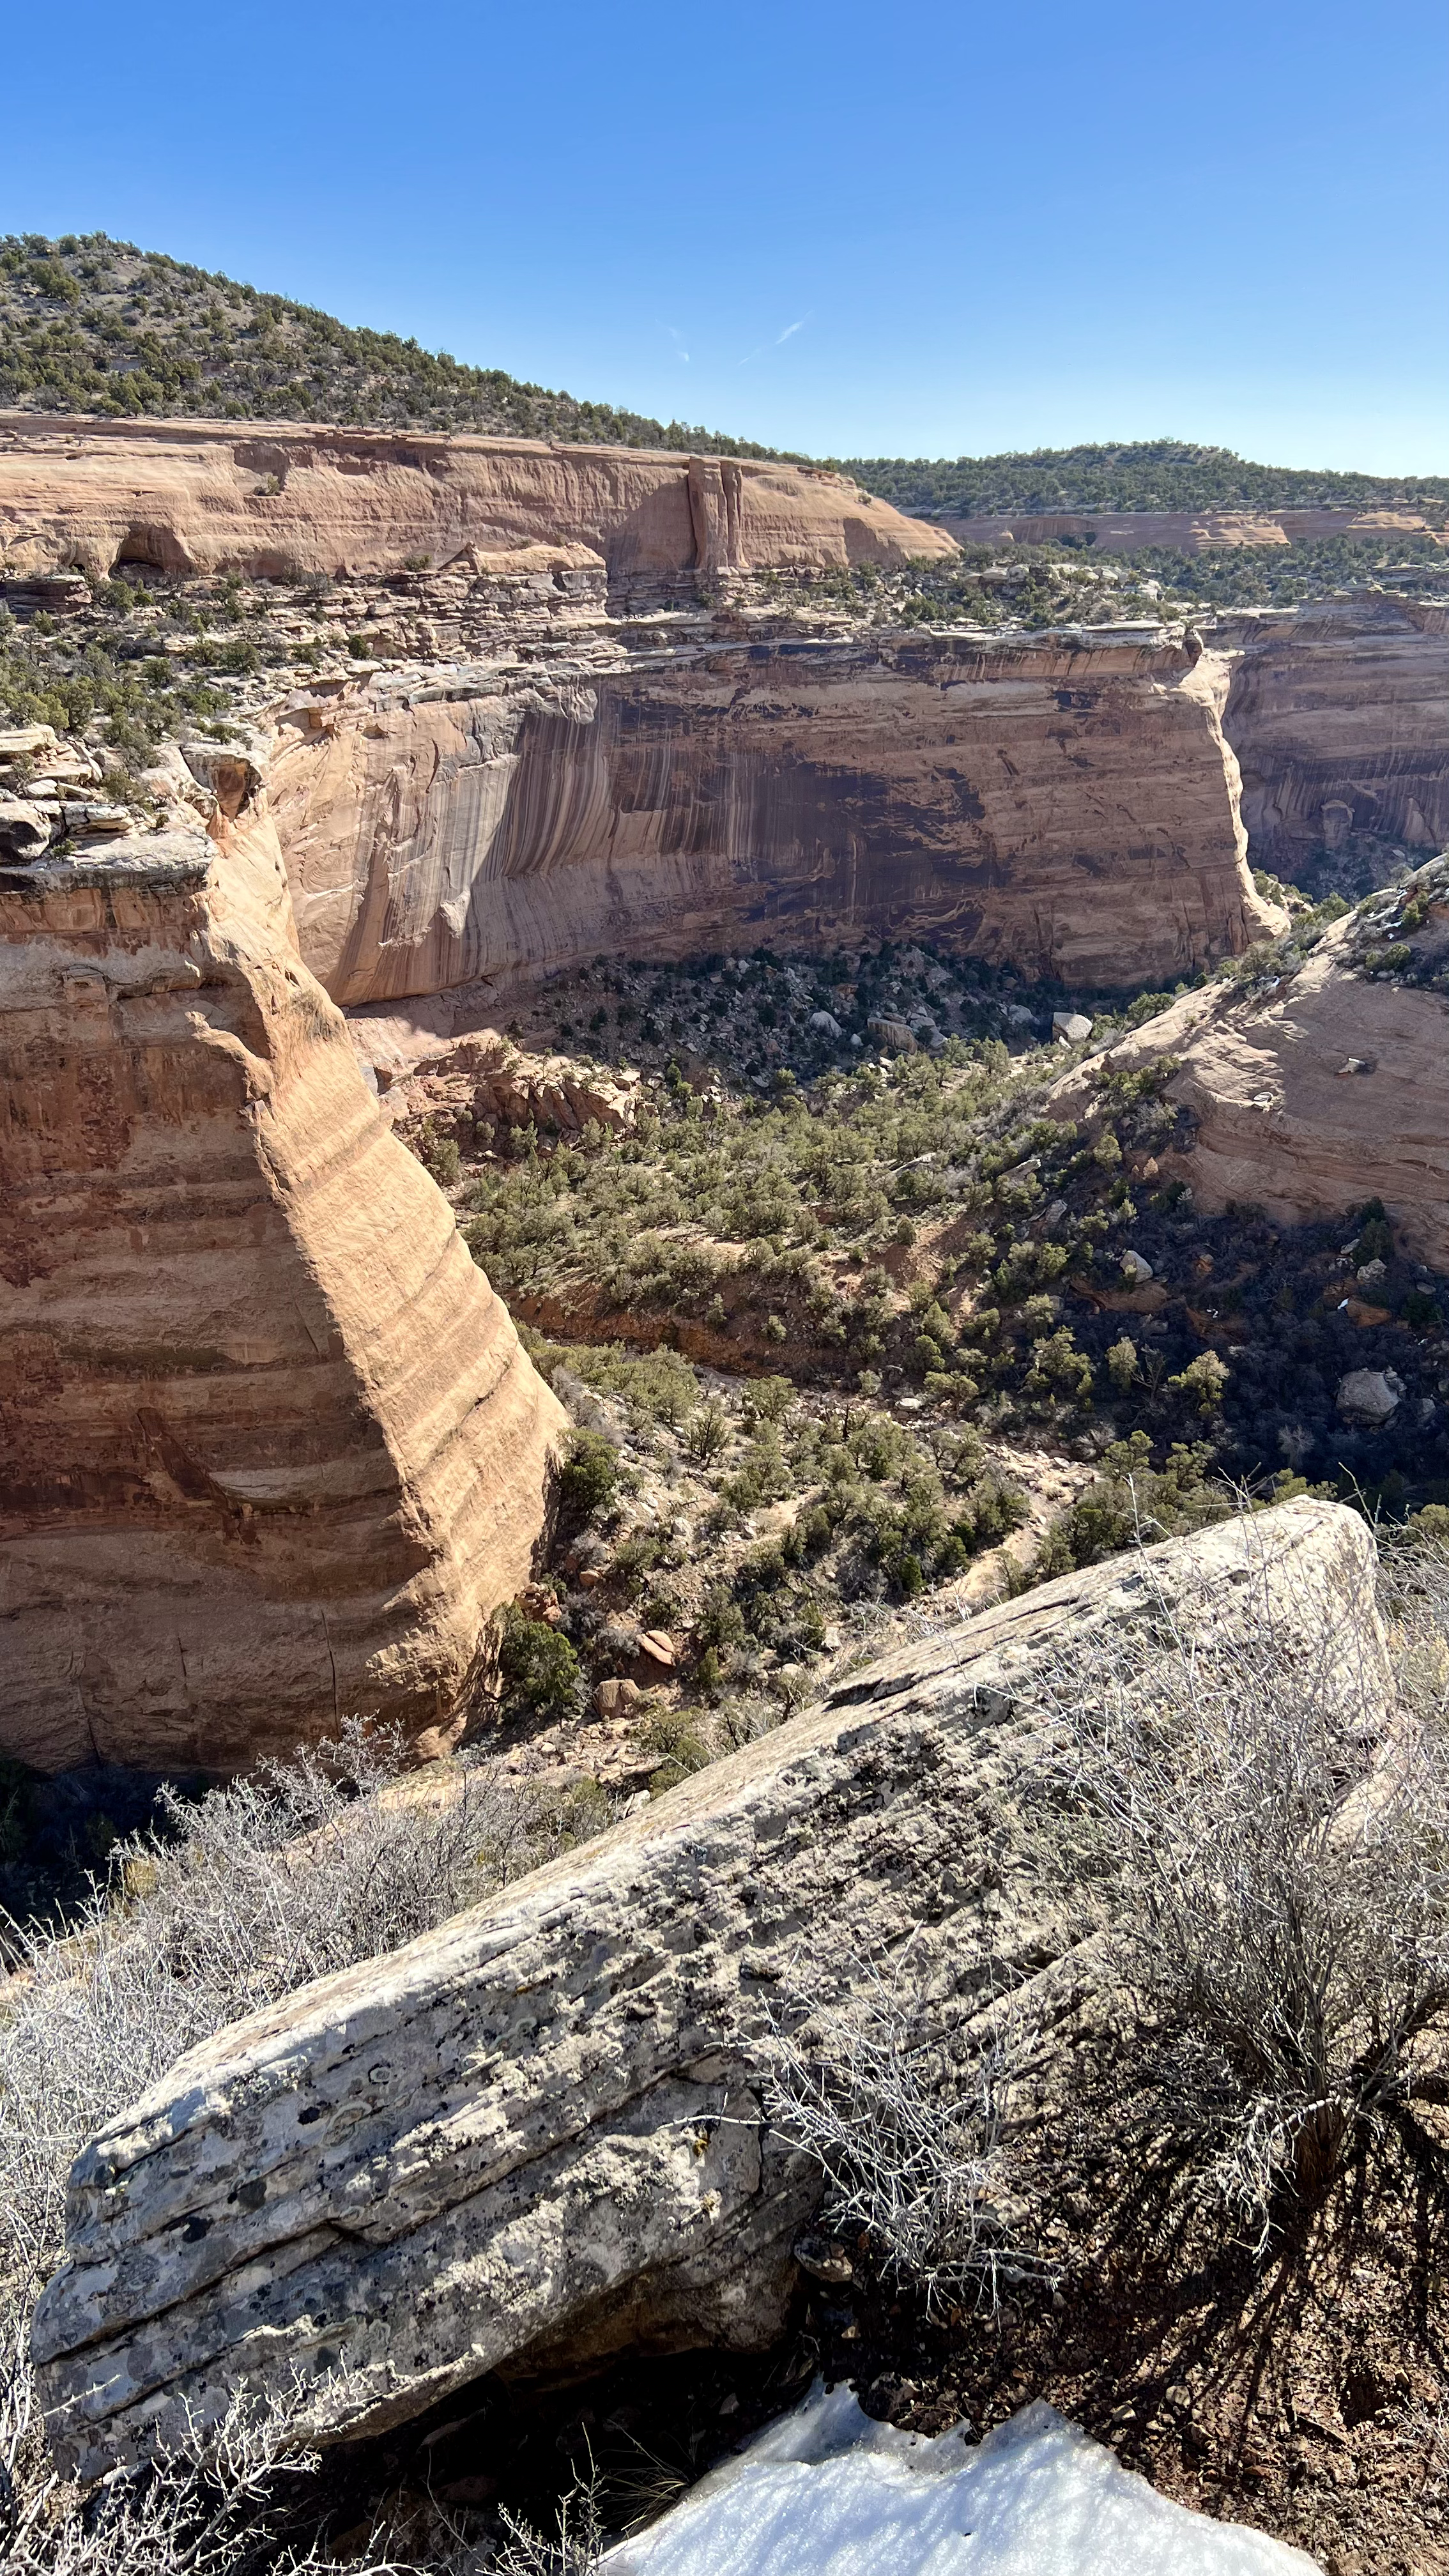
826	2492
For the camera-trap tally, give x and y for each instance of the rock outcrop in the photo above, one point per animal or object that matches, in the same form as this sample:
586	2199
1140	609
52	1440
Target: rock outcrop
1189	532
1339	715
485	1078
1065	801
538	2135
270	1451
215	496
1312	1091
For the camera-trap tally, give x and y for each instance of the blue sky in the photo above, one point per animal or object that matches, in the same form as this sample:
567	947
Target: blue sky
927	230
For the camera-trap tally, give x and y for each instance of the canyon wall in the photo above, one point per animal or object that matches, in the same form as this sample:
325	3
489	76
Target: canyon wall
1067	801
1189	532
209	497
270	1451
1339	715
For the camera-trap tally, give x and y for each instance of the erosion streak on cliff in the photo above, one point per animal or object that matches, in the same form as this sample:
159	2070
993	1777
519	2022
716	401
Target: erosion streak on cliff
1340	719
1070	804
207	496
269	1451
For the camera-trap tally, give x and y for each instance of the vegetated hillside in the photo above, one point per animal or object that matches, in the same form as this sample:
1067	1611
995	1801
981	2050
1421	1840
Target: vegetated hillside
93	325
923	1220
1063	583
1153	474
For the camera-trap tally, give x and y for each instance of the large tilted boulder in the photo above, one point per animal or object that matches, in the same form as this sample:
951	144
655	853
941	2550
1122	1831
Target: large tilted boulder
270	1450
537	2136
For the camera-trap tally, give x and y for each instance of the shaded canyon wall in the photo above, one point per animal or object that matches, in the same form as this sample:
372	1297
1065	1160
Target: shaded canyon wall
1070	804
1339	715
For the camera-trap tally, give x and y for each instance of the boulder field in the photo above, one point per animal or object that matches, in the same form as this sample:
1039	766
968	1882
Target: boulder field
270	1451
541	2134
1066	801
209	496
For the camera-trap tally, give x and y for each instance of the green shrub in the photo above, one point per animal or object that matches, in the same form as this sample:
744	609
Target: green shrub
589	1476
1123	1366
707	1432
721	1620
673	1734
1129	1499
1059	1368
1204	1380
1376	1240
536	1663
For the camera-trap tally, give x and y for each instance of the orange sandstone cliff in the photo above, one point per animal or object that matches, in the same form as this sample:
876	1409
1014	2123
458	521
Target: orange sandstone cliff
1339	714
208	496
270	1451
1067	801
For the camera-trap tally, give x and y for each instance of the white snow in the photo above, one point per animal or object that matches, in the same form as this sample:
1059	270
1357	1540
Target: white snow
828	2493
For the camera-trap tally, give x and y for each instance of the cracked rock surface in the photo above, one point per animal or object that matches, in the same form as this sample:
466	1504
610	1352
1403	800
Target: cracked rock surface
537	2136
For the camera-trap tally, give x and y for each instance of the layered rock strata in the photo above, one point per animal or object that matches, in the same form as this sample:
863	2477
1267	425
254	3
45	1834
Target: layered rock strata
1308	1091
1067	801
270	1451
539	2135
212	496
1339	715
1189	532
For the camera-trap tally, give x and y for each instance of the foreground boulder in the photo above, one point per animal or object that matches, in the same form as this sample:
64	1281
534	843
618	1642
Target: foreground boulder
538	2135
270	1451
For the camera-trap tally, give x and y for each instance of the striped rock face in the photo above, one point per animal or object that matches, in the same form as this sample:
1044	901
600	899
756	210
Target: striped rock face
270	1451
1065	801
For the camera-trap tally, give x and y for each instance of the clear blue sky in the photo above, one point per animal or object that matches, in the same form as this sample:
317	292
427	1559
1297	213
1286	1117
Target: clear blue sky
926	230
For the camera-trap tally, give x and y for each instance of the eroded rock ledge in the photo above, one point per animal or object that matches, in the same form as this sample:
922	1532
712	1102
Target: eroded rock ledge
1313	1086
278	498
270	1451
537	2136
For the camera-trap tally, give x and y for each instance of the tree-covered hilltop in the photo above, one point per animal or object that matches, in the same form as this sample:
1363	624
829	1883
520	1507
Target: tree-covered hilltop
93	325
88	324
1153	474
